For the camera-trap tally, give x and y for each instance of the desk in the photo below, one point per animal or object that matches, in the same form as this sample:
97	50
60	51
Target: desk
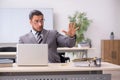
7	54
83	50
73	49
63	49
57	71
59	67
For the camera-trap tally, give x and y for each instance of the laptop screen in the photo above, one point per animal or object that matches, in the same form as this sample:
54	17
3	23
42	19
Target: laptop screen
32	54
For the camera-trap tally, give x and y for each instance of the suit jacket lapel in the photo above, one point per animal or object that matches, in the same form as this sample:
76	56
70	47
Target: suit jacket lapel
32	38
45	35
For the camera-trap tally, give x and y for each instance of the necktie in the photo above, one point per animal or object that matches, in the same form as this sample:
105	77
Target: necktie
39	37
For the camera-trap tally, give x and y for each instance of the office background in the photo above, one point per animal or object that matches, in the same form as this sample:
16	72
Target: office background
104	13
15	22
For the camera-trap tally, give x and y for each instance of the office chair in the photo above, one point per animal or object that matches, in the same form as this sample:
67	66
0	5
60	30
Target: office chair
8	49
63	59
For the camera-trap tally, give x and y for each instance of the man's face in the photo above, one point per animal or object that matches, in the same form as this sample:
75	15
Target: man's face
37	22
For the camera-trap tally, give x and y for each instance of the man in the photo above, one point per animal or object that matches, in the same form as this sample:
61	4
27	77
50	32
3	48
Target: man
50	37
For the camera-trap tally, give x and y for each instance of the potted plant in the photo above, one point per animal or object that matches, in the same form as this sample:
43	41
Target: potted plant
81	21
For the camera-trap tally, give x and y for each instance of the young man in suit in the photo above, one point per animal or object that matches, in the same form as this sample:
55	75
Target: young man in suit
50	37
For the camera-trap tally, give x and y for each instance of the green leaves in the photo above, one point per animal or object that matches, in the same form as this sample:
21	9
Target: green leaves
82	22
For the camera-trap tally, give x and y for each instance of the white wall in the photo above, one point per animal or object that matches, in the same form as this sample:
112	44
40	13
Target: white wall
14	22
104	13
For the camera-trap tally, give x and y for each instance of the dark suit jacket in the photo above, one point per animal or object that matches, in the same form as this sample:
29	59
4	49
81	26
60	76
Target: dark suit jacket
53	39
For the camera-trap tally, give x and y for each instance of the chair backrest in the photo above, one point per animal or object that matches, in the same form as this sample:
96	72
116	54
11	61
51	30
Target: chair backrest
7	49
63	59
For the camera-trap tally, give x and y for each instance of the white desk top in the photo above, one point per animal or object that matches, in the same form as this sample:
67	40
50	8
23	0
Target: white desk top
7	54
73	49
59	67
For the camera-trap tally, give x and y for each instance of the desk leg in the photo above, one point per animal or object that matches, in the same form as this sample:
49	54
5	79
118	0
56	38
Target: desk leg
84	54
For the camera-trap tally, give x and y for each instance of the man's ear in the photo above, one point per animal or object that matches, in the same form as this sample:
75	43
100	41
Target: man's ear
30	22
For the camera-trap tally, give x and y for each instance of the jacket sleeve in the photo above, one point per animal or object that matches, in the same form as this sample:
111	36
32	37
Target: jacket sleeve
65	41
20	40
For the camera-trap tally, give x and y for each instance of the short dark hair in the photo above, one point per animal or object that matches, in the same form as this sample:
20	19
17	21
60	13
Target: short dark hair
35	12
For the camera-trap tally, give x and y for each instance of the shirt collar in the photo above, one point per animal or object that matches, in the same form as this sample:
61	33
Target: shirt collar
34	32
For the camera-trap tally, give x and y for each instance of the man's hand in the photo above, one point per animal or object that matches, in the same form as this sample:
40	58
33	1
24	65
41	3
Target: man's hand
72	30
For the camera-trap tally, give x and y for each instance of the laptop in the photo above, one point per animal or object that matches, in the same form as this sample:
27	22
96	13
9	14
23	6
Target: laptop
32	55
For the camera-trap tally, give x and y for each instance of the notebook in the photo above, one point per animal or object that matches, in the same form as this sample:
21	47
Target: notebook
32	54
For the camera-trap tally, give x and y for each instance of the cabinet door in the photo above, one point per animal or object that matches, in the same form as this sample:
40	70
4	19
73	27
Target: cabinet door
115	52
111	51
106	50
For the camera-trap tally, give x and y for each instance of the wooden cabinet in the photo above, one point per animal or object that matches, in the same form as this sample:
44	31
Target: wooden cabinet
110	50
